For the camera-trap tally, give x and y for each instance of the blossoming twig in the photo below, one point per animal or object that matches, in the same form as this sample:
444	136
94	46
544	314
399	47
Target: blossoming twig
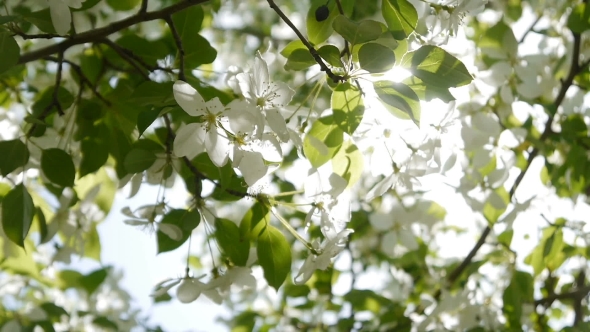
312	50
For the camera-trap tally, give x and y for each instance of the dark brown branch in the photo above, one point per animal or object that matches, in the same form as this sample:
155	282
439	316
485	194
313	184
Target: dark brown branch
98	34
36	36
312	50
143	8
178	43
578	293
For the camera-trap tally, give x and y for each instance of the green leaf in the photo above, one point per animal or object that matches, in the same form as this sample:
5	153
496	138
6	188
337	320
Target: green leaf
254	221
229	239
138	160
91	240
495	205
9	51
401	17
292	46
428	92
274	255
17	214
146	118
331	54
434	66
498	42
53	311
549	251
42	224
185	220
348	107
299	59
103	321
94	155
398	96
123	5
152	93
58	167
64	97
357	33
319	32
149	51
579	19
68	279
197	49
519	291
14	155
41	19
92	281
87	4
376	58
7	18
348	163
322	141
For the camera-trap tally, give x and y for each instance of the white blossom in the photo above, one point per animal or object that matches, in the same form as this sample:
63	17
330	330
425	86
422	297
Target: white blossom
60	14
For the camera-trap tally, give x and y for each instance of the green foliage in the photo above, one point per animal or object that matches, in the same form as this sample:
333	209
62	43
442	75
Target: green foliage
17	214
401	17
233	245
15	154
357	33
399	97
58	167
274	255
376	58
183	219
9	51
322	141
348	107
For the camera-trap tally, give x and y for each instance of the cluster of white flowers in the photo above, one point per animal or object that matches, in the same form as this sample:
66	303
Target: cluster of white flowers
240	124
445	17
190	288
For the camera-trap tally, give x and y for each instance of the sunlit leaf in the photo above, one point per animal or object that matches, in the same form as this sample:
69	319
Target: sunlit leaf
274	255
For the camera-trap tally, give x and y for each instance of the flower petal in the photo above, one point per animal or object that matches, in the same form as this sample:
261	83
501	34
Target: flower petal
188	290
172	231
189	141
217	147
60	17
252	167
189	99
277	123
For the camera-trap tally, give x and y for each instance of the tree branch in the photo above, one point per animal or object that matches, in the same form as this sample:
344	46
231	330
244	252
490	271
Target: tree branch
97	34
575	69
178	42
312	50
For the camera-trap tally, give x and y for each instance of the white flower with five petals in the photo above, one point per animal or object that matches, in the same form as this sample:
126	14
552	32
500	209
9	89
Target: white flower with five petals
331	248
212	134
267	96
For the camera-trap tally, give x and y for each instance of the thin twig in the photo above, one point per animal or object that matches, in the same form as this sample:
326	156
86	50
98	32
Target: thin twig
36	36
312	50
97	34
346	49
178	42
128	56
530	29
83	78
55	97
